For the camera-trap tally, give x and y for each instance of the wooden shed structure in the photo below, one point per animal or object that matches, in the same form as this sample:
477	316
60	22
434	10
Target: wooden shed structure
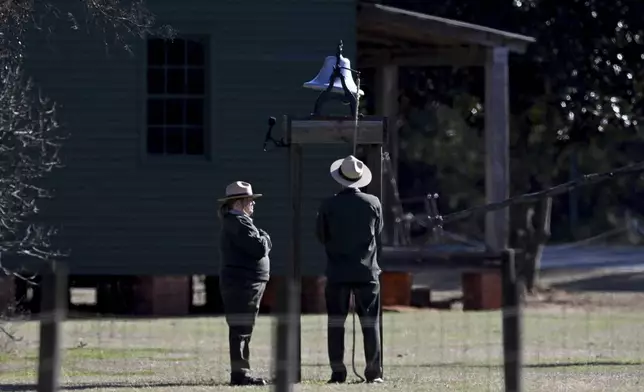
388	38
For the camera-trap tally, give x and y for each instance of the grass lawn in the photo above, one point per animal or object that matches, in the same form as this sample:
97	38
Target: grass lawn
566	349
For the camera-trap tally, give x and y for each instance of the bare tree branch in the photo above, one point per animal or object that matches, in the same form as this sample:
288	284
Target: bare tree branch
10	334
30	136
30	140
29	133
116	20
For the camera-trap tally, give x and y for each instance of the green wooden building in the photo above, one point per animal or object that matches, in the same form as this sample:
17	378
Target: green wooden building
156	135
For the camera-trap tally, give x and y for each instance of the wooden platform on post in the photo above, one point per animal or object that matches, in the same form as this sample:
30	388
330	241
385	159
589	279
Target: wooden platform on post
335	130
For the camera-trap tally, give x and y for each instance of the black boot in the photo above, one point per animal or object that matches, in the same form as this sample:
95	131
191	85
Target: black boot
236	380
337	378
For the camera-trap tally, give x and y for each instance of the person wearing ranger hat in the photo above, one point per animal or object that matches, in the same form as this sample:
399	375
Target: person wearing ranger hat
349	226
245	269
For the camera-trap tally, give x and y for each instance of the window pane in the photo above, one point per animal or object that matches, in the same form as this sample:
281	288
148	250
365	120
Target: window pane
196	81
155	140
156	81
194	111
155	111
174	111
195	141
176	52
196	53
156	52
174	140
176	81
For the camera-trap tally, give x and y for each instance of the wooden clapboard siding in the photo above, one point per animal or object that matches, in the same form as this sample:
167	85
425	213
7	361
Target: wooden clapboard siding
122	213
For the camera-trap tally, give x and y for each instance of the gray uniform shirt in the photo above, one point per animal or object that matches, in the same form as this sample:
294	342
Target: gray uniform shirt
349	225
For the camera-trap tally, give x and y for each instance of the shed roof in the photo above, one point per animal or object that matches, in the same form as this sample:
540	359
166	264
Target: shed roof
377	22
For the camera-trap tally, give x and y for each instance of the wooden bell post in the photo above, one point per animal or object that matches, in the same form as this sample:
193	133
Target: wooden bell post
319	129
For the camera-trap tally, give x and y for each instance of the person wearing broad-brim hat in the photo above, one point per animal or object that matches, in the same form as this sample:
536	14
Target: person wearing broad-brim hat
349	226
245	270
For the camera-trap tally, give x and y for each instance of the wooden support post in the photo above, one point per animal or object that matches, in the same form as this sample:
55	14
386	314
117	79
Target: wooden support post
289	364
387	106
296	262
497	146
374	162
482	291
53	312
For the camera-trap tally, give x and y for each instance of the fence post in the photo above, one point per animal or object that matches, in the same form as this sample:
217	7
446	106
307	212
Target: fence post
512	325
289	332
53	312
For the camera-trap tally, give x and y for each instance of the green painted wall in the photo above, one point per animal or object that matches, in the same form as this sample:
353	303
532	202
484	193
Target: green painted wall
122	213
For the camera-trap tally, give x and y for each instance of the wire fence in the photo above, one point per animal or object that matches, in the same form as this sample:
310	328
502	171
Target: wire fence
573	340
184	353
580	331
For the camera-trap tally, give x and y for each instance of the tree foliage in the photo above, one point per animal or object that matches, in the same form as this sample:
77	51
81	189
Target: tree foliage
576	103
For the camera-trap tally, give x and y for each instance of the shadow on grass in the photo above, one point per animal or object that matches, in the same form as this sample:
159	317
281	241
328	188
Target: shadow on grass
24	387
583	364
545	365
615	282
602	280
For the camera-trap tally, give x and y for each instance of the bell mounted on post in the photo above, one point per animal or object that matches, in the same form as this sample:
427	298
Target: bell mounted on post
336	77
321	81
336	83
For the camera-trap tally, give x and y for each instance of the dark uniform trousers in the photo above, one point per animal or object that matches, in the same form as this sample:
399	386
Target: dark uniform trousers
241	304
367	297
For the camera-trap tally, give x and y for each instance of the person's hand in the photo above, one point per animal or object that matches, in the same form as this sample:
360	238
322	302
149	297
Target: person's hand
268	237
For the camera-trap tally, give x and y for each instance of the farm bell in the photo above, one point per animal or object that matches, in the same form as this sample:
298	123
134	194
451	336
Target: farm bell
321	81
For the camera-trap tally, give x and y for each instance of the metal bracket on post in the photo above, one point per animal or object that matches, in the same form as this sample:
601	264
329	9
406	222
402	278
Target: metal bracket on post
327	95
269	136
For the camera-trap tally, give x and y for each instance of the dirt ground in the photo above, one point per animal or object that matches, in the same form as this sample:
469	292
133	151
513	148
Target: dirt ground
585	289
